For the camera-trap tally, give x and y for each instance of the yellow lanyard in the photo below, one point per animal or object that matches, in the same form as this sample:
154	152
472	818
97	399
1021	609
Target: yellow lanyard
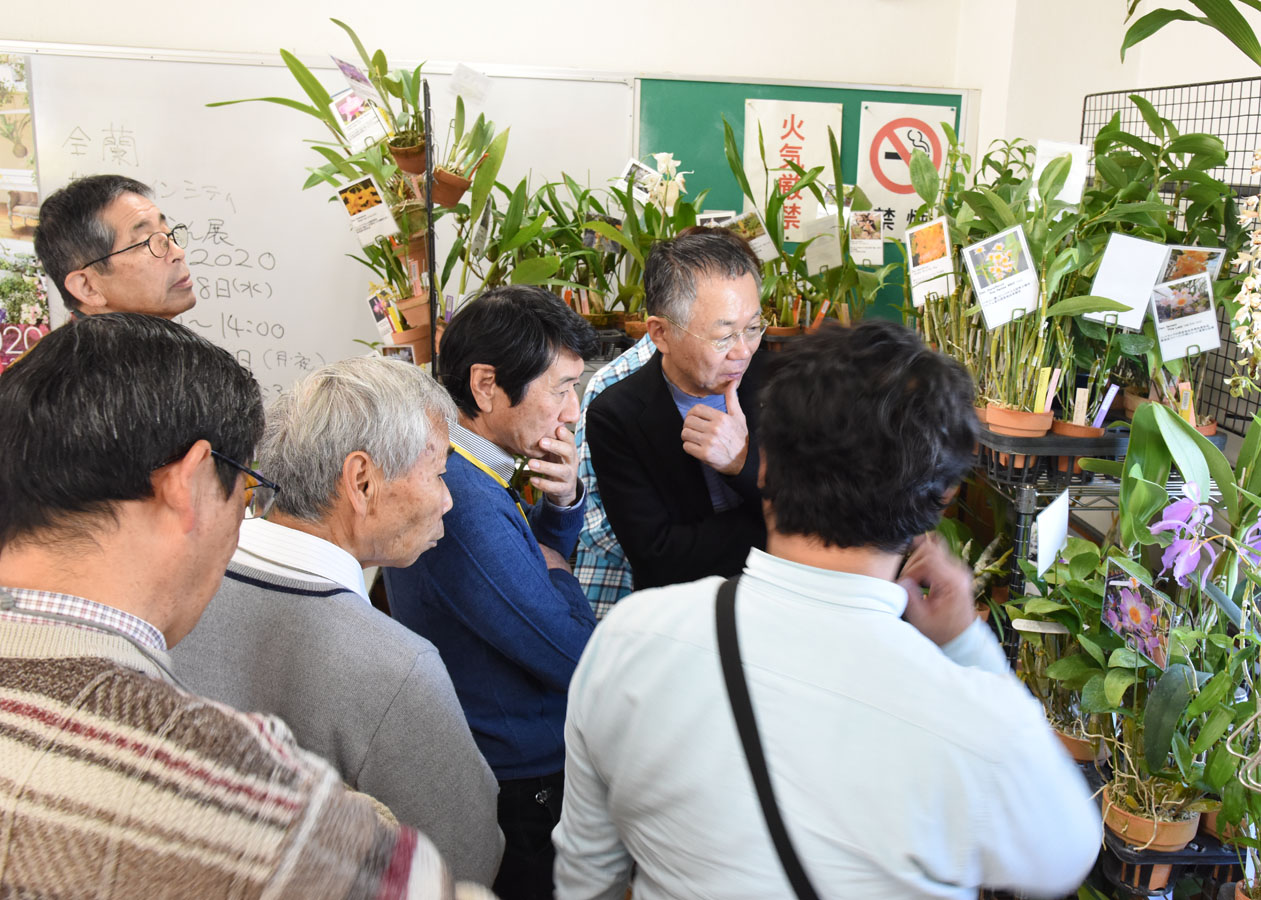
491	472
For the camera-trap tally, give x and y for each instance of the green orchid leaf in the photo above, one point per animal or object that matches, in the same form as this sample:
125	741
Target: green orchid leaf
1076	306
924	176
1219	767
1213	729
1150	116
1165	706
1095	651
1115	683
1214	692
534	271
615	234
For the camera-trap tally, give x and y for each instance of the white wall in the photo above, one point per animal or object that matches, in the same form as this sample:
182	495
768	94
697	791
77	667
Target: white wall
1032	60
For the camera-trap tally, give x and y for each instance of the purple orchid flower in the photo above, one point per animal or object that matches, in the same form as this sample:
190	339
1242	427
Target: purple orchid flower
1250	545
1186	518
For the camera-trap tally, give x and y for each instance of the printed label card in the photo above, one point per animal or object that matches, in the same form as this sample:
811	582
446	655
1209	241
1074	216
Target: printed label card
642	178
1130	268
1051	526
362	122
1006	284
866	244
1186	320
1076	181
384	312
715	218
358	81
596	241
1141	616
1186	261
825	251
932	267
751	227
369	216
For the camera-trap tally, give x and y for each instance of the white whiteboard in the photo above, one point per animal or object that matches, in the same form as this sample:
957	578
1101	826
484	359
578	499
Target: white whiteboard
268	259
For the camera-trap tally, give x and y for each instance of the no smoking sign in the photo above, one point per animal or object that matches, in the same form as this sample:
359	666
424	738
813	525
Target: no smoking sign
891	149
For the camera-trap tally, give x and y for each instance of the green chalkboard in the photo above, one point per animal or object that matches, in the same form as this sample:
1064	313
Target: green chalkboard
685	118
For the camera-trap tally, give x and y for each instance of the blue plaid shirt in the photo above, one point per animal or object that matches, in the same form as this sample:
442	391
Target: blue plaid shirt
602	569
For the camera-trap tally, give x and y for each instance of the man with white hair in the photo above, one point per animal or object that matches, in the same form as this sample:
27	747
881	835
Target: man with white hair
360	446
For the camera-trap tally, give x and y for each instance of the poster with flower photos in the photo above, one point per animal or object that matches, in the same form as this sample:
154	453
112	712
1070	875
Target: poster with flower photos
1140	615
932	264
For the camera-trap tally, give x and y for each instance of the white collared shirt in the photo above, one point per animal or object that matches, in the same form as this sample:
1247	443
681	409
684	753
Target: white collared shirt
902	769
283	551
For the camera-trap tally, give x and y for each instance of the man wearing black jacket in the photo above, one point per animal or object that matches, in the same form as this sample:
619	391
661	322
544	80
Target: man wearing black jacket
673	444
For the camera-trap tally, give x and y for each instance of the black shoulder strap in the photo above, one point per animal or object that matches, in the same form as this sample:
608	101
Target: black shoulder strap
746	724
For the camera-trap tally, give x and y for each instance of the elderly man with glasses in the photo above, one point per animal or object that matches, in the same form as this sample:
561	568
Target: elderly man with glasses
108	248
124	449
673	445
361	447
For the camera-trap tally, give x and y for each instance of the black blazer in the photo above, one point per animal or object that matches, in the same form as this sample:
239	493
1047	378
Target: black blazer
654	493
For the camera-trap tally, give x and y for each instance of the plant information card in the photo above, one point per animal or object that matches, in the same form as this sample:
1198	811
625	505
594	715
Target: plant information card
824	251
866	244
1051	527
1076	181
1005	283
1186	320
932	268
361	122
1129	269
369	216
1140	615
751	227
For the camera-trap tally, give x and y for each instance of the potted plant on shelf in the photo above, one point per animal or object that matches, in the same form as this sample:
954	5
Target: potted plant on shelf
467	151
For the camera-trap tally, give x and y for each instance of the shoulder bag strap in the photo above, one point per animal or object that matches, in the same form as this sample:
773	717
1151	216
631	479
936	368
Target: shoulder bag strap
746	724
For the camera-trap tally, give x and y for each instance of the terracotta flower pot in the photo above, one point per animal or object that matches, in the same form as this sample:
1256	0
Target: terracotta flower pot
1241	890
1208	429
1151	834
1017	423
635	328
448	187
1082	749
1223	832
417	339
418	250
783	330
1068	429
410	159
982	414
1133	399
415	310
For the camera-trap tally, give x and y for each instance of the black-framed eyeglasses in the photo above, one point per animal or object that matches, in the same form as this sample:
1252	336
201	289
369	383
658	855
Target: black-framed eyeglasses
750	335
260	493
159	244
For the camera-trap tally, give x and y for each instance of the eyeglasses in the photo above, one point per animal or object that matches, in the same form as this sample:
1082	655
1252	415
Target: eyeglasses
750	335
159	244
260	493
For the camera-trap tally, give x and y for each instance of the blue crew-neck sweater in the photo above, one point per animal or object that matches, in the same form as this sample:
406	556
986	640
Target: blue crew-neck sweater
509	629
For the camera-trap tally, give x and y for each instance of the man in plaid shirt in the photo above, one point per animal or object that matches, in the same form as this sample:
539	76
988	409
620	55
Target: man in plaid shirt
602	569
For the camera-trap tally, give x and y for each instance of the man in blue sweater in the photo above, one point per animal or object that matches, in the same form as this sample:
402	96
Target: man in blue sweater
496	595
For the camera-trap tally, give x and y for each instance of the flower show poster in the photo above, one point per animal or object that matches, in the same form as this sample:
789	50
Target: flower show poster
932	269
1005	283
369	217
788	131
1186	320
1130	268
888	133
1140	615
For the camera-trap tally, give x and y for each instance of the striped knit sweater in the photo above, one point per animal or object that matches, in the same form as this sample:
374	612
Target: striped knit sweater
115	784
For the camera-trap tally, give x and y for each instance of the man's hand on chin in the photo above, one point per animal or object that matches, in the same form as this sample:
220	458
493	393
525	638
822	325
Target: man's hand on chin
556	474
718	439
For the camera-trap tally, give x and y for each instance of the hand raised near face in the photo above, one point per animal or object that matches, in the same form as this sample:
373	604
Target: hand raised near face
556	472
718	439
947	608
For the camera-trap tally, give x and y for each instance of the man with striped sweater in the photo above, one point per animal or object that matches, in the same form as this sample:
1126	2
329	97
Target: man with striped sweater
124	443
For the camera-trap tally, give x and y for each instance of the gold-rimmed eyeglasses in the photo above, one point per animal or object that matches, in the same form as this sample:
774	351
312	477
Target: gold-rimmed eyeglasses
750	335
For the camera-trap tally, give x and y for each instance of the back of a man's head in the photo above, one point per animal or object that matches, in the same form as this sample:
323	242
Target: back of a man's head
71	232
863	433
384	407
519	330
99	404
674	267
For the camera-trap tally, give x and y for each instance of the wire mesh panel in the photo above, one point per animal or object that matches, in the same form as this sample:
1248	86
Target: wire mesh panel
1231	110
